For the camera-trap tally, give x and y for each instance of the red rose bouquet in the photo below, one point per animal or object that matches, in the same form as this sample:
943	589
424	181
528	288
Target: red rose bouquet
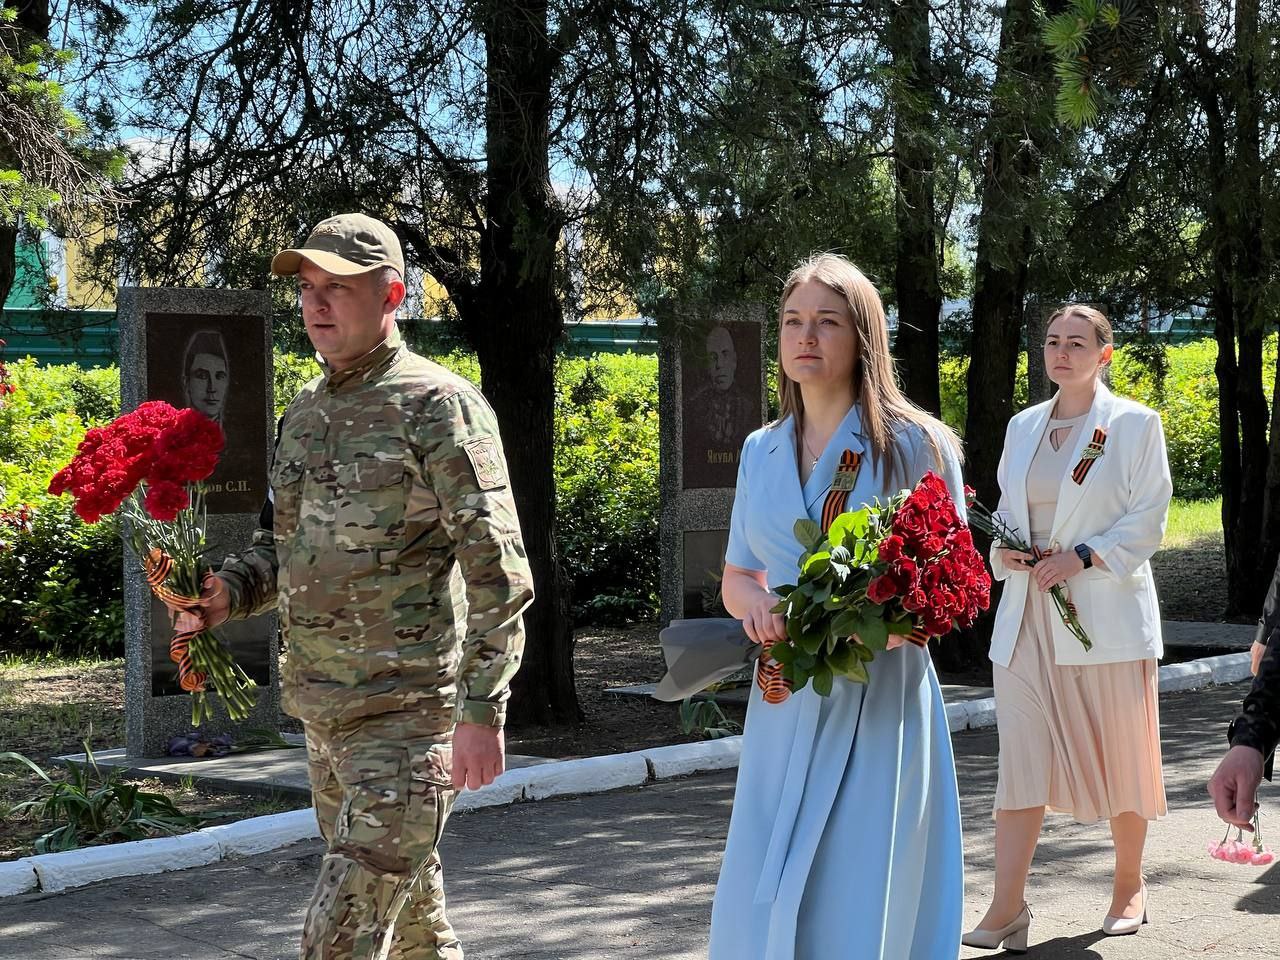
150	465
880	576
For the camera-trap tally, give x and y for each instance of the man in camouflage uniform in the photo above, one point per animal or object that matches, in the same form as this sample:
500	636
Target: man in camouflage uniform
395	561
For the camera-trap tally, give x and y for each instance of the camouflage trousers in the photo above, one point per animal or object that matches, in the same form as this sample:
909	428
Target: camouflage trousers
382	793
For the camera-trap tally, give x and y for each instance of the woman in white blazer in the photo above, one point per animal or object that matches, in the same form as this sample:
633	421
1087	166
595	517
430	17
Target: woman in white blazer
1085	479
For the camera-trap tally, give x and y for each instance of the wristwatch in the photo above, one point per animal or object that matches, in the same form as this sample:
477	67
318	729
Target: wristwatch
1085	555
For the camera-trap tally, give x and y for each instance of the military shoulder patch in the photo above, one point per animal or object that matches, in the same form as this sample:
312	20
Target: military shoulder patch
483	454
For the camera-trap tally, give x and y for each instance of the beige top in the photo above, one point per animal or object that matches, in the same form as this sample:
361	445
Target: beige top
1044	476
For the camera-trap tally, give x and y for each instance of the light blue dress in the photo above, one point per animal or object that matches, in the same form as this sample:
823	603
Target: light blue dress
844	843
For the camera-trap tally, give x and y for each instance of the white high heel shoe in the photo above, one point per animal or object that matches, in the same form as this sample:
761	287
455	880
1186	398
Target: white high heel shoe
1012	936
1122	926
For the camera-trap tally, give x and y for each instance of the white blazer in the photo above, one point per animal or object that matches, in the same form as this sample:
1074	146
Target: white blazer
1119	510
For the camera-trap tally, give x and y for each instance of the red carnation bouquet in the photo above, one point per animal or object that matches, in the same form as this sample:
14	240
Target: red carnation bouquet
150	465
889	573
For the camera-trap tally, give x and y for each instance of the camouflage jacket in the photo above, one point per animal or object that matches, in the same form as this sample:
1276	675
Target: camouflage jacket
395	560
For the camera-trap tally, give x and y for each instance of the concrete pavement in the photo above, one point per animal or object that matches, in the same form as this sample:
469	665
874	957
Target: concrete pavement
630	874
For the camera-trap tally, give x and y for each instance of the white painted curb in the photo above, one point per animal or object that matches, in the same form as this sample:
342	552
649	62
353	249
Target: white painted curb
1228	668
53	872
74	868
507	788
588	775
17	876
682	759
1186	676
244	838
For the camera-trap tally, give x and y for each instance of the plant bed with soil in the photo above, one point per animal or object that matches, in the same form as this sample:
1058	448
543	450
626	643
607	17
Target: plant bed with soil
47	708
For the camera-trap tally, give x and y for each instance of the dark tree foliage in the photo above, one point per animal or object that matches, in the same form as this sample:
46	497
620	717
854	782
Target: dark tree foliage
1181	104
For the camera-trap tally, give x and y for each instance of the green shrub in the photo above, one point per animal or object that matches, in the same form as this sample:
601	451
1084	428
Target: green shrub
61	585
42	422
61	579
290	373
1184	388
606	464
953	389
606	470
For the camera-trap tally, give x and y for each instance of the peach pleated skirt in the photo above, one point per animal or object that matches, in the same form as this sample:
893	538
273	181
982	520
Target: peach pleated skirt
1080	740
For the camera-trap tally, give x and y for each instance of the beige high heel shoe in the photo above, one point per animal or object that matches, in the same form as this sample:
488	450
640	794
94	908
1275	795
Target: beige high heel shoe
1122	926
1012	936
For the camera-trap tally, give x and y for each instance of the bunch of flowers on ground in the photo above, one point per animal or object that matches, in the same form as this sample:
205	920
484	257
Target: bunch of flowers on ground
150	465
880	576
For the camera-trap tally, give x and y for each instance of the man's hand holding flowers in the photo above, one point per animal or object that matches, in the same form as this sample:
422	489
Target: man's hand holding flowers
213	610
1234	786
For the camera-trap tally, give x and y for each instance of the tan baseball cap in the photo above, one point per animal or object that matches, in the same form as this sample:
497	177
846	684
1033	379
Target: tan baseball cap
347	244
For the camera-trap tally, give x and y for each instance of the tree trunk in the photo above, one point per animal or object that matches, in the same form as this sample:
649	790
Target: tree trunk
1251	541
1018	131
1233	213
514	321
919	243
1039	386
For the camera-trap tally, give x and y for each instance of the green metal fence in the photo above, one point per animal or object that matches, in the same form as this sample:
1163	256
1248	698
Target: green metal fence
92	339
89	337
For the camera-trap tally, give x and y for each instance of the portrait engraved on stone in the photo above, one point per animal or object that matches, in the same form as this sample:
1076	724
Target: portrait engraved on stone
206	375
703	558
721	402
215	364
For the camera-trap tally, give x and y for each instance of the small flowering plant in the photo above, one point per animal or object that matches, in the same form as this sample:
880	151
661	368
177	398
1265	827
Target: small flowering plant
1238	851
880	576
150	465
6	381
14	522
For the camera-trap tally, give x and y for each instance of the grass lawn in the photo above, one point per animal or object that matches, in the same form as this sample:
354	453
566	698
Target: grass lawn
1191	521
1190	565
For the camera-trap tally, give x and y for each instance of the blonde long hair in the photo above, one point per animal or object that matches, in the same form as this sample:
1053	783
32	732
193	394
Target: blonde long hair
884	407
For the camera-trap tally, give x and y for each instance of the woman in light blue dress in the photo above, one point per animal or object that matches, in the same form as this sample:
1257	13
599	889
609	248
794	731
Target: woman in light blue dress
844	842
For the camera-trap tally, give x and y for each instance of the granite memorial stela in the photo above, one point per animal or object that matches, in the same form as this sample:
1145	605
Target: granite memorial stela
209	350
711	397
